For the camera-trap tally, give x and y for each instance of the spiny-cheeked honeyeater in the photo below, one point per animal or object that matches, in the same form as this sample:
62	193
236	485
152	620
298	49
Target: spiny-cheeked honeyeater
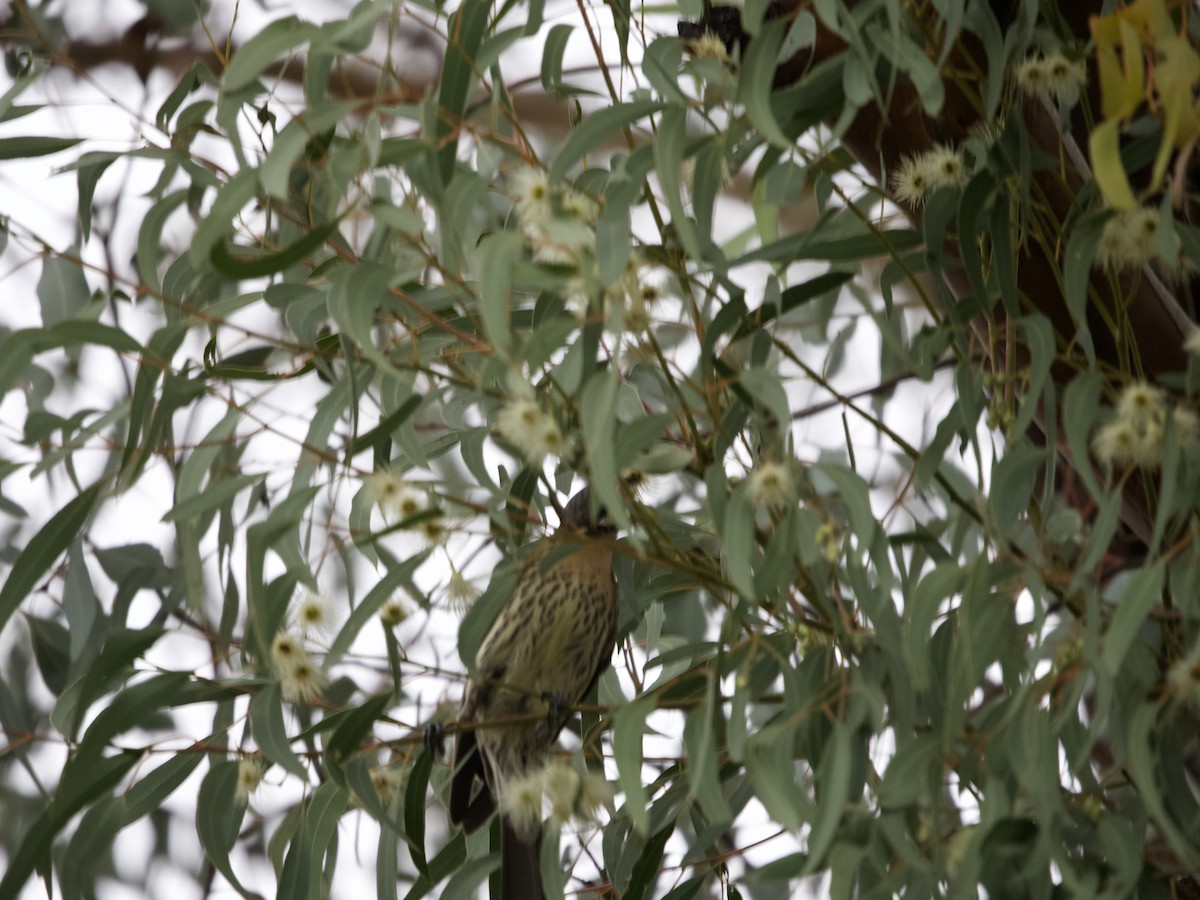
544	653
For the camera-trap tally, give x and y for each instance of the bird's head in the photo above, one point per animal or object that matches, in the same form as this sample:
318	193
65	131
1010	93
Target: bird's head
580	514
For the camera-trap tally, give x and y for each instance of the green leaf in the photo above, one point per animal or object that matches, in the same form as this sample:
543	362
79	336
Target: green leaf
704	780
219	813
263	49
1077	267
112	665
414	809
149	241
89	168
908	780
645	870
1143	591
483	612
238	191
755	82
792	298
89	846
301	876
465	32
598	404
809	245
43	549
770	763
29	147
215	495
266	720
1013	478
291	141
148	794
552	55
833	777
737	542
591	134
78	788
347	738
670	152
500	255
629	724
51	649
395	577
1144	765
243	265
62	290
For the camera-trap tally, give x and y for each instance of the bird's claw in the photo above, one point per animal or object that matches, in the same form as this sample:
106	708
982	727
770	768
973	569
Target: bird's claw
434	739
555	702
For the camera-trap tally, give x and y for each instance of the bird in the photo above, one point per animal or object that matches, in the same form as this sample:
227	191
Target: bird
544	653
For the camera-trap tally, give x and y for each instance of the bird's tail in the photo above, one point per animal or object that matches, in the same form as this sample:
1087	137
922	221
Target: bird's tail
521	867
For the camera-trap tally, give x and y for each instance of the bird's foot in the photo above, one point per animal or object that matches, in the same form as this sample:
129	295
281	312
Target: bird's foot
555	715
434	739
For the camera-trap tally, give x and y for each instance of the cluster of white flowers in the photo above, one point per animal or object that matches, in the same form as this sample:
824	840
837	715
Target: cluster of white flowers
558	223
396	498
562	788
300	676
1129	240
1054	77
529	428
1135	436
921	175
400	501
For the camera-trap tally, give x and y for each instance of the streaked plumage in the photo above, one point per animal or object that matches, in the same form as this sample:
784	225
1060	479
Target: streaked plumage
547	647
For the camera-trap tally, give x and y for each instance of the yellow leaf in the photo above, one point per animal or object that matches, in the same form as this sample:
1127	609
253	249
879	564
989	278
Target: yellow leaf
1177	72
1122	78
1105	147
